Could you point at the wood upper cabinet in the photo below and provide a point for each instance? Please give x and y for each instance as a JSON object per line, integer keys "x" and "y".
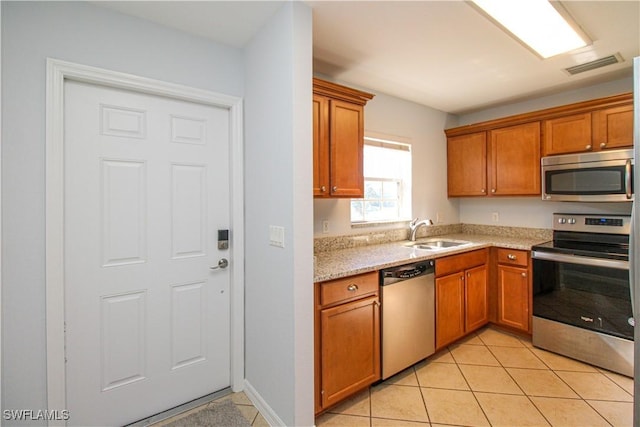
{"x": 513, "y": 289}
{"x": 467, "y": 165}
{"x": 515, "y": 160}
{"x": 613, "y": 127}
{"x": 500, "y": 162}
{"x": 567, "y": 134}
{"x": 501, "y": 157}
{"x": 461, "y": 295}
{"x": 347, "y": 338}
{"x": 604, "y": 129}
{"x": 320, "y": 145}
{"x": 338, "y": 139}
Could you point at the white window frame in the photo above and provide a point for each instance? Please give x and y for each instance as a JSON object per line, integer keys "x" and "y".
{"x": 390, "y": 142}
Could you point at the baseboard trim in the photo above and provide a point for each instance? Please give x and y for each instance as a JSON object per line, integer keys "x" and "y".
{"x": 261, "y": 405}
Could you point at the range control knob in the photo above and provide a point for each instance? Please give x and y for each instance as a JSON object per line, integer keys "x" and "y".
{"x": 562, "y": 220}
{"x": 571, "y": 220}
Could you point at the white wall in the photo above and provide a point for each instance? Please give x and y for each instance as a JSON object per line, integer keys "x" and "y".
{"x": 424, "y": 126}
{"x": 534, "y": 212}
{"x": 86, "y": 34}
{"x": 278, "y": 164}
{"x": 601, "y": 90}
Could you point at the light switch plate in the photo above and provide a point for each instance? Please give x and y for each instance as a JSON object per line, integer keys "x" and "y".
{"x": 276, "y": 236}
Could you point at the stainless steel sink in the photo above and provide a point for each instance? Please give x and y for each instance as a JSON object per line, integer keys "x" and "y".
{"x": 436, "y": 244}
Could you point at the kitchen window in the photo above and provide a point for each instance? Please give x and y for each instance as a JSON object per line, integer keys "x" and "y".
{"x": 387, "y": 182}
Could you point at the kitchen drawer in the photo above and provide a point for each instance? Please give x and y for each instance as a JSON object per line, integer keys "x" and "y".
{"x": 455, "y": 263}
{"x": 513, "y": 257}
{"x": 348, "y": 288}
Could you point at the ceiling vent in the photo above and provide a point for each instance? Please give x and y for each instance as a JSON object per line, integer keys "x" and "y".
{"x": 598, "y": 63}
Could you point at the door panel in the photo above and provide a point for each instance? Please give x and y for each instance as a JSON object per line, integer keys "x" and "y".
{"x": 146, "y": 189}
{"x": 449, "y": 308}
{"x": 476, "y": 298}
{"x": 515, "y": 160}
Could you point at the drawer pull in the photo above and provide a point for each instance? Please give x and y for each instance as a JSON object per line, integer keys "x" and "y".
{"x": 352, "y": 288}
{"x": 512, "y": 257}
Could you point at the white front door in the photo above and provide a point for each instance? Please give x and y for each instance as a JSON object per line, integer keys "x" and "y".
{"x": 146, "y": 189}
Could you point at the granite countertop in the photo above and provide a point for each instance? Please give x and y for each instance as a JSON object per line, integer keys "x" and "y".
{"x": 347, "y": 262}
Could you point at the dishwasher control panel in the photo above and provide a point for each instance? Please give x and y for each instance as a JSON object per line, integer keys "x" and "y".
{"x": 407, "y": 271}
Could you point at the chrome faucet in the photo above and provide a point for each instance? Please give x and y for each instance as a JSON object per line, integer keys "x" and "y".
{"x": 415, "y": 224}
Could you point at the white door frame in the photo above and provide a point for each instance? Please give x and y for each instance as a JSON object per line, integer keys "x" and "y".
{"x": 59, "y": 71}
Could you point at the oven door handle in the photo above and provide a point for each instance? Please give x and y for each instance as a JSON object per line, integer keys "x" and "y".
{"x": 575, "y": 259}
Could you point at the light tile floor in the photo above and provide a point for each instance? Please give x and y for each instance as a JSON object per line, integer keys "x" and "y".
{"x": 492, "y": 378}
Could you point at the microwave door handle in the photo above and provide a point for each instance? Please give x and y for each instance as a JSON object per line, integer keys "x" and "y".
{"x": 628, "y": 179}
{"x": 632, "y": 262}
{"x": 574, "y": 259}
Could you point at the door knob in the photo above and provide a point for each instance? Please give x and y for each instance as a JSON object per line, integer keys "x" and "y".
{"x": 223, "y": 263}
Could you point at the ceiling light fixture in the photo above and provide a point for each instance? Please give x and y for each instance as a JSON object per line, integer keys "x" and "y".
{"x": 545, "y": 28}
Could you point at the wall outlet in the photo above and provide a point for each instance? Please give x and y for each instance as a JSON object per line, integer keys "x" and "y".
{"x": 439, "y": 218}
{"x": 325, "y": 226}
{"x": 495, "y": 217}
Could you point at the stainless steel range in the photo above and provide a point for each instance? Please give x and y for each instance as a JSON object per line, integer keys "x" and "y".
{"x": 581, "y": 293}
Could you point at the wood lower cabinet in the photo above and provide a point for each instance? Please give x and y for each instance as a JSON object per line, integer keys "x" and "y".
{"x": 476, "y": 309}
{"x": 449, "y": 308}
{"x": 513, "y": 289}
{"x": 461, "y": 295}
{"x": 347, "y": 338}
{"x": 338, "y": 140}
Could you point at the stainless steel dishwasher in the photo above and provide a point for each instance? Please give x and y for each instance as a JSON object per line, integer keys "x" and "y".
{"x": 408, "y": 315}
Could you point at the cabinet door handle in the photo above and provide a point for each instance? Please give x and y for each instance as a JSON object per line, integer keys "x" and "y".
{"x": 493, "y": 190}
{"x": 512, "y": 257}
{"x": 603, "y": 144}
{"x": 587, "y": 147}
{"x": 323, "y": 189}
{"x": 376, "y": 303}
{"x": 524, "y": 274}
{"x": 483, "y": 190}
{"x": 352, "y": 287}
{"x": 334, "y": 189}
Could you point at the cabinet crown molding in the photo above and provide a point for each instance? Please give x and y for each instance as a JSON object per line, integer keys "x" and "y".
{"x": 548, "y": 113}
{"x": 337, "y": 91}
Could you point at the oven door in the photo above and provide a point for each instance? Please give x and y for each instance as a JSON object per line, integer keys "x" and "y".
{"x": 590, "y": 293}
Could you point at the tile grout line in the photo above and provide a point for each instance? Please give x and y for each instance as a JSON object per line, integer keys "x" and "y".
{"x": 424, "y": 402}
{"x": 505, "y": 369}
{"x": 518, "y": 384}
{"x": 554, "y": 372}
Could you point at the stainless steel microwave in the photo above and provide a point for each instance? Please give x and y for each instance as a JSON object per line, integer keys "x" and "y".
{"x": 605, "y": 176}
